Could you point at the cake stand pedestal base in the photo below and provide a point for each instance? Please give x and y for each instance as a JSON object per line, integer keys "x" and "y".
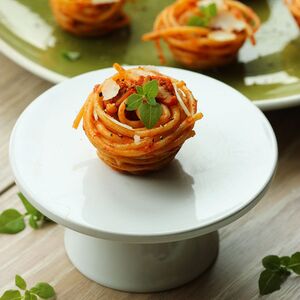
{"x": 141, "y": 267}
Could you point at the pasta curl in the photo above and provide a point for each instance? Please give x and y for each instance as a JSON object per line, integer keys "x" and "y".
{"x": 120, "y": 137}
{"x": 208, "y": 46}
{"x": 294, "y": 7}
{"x": 86, "y": 18}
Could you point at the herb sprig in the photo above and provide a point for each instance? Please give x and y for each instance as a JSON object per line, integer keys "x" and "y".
{"x": 71, "y": 55}
{"x": 12, "y": 221}
{"x": 277, "y": 270}
{"x": 144, "y": 102}
{"x": 207, "y": 13}
{"x": 41, "y": 290}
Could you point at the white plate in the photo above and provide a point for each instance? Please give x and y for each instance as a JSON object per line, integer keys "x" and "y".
{"x": 217, "y": 176}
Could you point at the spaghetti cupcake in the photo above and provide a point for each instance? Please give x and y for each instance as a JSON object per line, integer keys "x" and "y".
{"x": 203, "y": 34}
{"x": 89, "y": 18}
{"x": 294, "y": 7}
{"x": 138, "y": 119}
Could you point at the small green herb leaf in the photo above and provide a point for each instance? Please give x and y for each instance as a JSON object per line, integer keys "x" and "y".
{"x": 145, "y": 102}
{"x": 140, "y": 90}
{"x": 71, "y": 55}
{"x": 11, "y": 295}
{"x": 27, "y": 295}
{"x": 152, "y": 101}
{"x": 36, "y": 218}
{"x": 271, "y": 262}
{"x": 196, "y": 21}
{"x": 150, "y": 114}
{"x": 150, "y": 89}
{"x": 33, "y": 297}
{"x": 294, "y": 263}
{"x": 269, "y": 282}
{"x": 285, "y": 260}
{"x": 133, "y": 102}
{"x": 11, "y": 221}
{"x": 20, "y": 282}
{"x": 277, "y": 271}
{"x": 284, "y": 274}
{"x": 29, "y": 208}
{"x": 33, "y": 222}
{"x": 43, "y": 290}
{"x": 207, "y": 13}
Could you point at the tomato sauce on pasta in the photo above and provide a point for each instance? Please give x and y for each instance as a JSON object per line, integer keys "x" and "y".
{"x": 87, "y": 18}
{"x": 120, "y": 137}
{"x": 203, "y": 47}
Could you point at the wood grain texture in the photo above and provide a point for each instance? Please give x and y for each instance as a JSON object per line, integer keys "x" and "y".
{"x": 17, "y": 89}
{"x": 271, "y": 227}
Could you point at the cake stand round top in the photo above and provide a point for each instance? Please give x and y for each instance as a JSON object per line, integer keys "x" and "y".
{"x": 216, "y": 177}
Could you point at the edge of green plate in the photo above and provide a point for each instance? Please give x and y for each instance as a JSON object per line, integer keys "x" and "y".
{"x": 26, "y": 63}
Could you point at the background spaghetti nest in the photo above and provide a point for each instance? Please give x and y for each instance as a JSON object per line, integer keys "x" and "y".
{"x": 201, "y": 47}
{"x": 83, "y": 18}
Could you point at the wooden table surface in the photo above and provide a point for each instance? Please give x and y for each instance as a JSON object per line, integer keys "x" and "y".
{"x": 271, "y": 227}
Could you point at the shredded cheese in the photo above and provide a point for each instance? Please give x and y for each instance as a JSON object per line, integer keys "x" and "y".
{"x": 103, "y": 1}
{"x": 137, "y": 139}
{"x": 225, "y": 20}
{"x": 109, "y": 89}
{"x": 181, "y": 102}
{"x": 137, "y": 72}
{"x": 119, "y": 123}
{"x": 221, "y": 36}
{"x": 219, "y": 3}
{"x": 95, "y": 115}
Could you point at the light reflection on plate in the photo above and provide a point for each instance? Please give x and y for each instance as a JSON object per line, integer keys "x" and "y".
{"x": 272, "y": 78}
{"x": 280, "y": 29}
{"x": 26, "y": 24}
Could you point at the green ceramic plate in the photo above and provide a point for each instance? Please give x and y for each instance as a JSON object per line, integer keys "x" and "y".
{"x": 268, "y": 74}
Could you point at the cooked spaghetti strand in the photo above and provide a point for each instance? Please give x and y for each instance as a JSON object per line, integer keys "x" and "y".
{"x": 203, "y": 47}
{"x": 86, "y": 18}
{"x": 121, "y": 139}
{"x": 294, "y": 7}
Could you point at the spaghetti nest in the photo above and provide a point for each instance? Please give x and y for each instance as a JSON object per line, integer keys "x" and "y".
{"x": 294, "y": 7}
{"x": 122, "y": 140}
{"x": 203, "y": 46}
{"x": 89, "y": 18}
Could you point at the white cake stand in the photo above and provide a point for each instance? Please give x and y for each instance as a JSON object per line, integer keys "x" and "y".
{"x": 144, "y": 233}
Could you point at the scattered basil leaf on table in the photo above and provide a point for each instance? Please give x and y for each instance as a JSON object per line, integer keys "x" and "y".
{"x": 294, "y": 263}
{"x": 12, "y": 221}
{"x": 41, "y": 290}
{"x": 277, "y": 270}
{"x": 271, "y": 262}
{"x": 269, "y": 282}
{"x": 285, "y": 260}
{"x": 11, "y": 295}
{"x": 144, "y": 102}
{"x": 29, "y": 296}
{"x": 29, "y": 208}
{"x": 20, "y": 282}
{"x": 71, "y": 55}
